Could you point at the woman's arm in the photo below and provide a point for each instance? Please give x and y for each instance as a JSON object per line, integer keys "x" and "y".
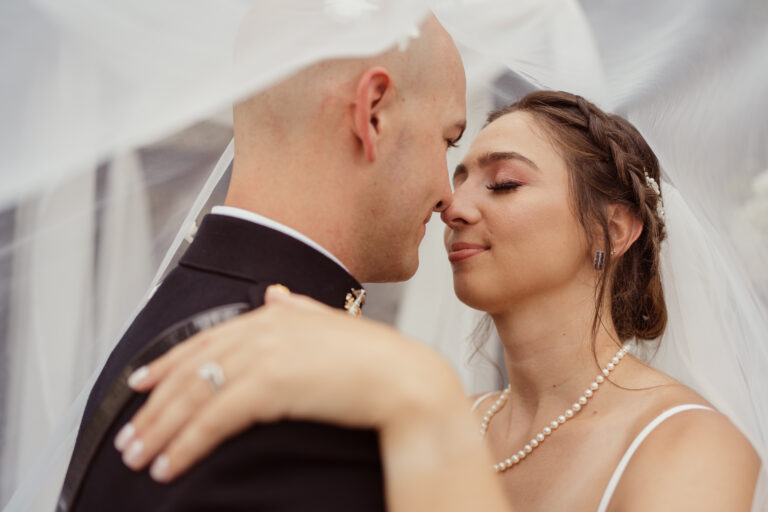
{"x": 297, "y": 359}
{"x": 434, "y": 460}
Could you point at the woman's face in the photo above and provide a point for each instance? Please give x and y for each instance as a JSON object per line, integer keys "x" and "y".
{"x": 511, "y": 231}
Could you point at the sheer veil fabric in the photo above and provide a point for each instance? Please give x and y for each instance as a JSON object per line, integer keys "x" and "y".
{"x": 113, "y": 144}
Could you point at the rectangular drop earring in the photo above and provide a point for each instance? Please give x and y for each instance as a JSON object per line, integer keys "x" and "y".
{"x": 599, "y": 260}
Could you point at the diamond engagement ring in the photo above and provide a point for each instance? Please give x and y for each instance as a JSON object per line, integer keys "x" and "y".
{"x": 213, "y": 373}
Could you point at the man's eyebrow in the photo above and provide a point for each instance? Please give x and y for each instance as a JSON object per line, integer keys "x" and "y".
{"x": 499, "y": 156}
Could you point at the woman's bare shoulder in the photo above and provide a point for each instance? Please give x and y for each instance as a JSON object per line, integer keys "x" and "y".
{"x": 695, "y": 454}
{"x": 649, "y": 392}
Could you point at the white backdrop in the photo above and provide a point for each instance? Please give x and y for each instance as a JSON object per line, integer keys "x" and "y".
{"x": 112, "y": 120}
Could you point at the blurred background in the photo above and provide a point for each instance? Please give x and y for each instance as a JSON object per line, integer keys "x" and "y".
{"x": 115, "y": 116}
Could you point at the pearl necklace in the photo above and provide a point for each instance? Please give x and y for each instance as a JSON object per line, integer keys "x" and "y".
{"x": 554, "y": 424}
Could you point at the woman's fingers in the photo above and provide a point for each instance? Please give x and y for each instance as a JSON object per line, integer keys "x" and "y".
{"x": 219, "y": 419}
{"x": 146, "y": 377}
{"x": 172, "y": 402}
{"x": 153, "y": 431}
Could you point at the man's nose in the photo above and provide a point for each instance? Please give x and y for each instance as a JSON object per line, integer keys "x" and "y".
{"x": 446, "y": 199}
{"x": 443, "y": 205}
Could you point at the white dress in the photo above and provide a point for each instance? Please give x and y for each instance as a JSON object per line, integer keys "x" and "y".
{"x": 619, "y": 471}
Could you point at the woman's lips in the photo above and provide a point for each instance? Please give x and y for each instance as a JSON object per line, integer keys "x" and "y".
{"x": 461, "y": 251}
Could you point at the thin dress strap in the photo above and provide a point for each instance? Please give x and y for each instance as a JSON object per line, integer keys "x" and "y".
{"x": 614, "y": 481}
{"x": 480, "y": 400}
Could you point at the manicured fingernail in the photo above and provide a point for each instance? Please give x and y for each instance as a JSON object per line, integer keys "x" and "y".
{"x": 280, "y": 288}
{"x": 137, "y": 376}
{"x": 124, "y": 436}
{"x": 131, "y": 457}
{"x": 160, "y": 468}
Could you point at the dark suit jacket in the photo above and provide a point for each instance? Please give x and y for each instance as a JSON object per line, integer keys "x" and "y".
{"x": 287, "y": 466}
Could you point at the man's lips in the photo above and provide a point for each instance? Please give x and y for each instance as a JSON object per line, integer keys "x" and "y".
{"x": 461, "y": 251}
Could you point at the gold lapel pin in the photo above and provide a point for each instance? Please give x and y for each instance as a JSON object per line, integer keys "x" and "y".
{"x": 354, "y": 302}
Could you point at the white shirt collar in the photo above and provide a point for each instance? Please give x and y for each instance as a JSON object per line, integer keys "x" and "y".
{"x": 239, "y": 213}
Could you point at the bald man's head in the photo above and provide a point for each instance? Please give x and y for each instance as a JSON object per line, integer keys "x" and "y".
{"x": 371, "y": 131}
{"x": 419, "y": 69}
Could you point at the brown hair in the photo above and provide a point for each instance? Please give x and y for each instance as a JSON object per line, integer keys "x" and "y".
{"x": 608, "y": 161}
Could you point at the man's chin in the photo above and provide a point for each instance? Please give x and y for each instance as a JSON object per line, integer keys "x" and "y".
{"x": 395, "y": 273}
{"x": 405, "y": 273}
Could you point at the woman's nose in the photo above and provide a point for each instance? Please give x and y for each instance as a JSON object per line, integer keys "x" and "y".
{"x": 462, "y": 211}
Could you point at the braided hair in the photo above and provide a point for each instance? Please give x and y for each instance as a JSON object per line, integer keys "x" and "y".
{"x": 609, "y": 162}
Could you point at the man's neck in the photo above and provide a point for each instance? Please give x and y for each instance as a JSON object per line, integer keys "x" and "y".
{"x": 254, "y": 217}
{"x": 318, "y": 211}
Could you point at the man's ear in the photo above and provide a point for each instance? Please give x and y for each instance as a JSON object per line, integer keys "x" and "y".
{"x": 624, "y": 227}
{"x": 374, "y": 90}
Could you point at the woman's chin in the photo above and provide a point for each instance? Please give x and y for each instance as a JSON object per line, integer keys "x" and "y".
{"x": 472, "y": 295}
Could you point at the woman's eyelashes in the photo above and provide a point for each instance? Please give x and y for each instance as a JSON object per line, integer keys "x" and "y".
{"x": 503, "y": 185}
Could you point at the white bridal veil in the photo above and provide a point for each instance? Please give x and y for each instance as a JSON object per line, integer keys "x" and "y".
{"x": 115, "y": 136}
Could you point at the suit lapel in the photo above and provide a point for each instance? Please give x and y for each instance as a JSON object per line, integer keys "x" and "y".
{"x": 245, "y": 250}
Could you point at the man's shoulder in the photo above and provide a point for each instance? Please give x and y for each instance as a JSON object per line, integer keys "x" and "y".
{"x": 183, "y": 294}
{"x": 266, "y": 463}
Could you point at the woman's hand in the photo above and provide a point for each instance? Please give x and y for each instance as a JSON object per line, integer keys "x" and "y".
{"x": 294, "y": 358}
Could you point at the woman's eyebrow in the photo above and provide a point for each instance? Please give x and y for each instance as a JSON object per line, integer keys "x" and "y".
{"x": 493, "y": 157}
{"x": 498, "y": 156}
{"x": 461, "y": 170}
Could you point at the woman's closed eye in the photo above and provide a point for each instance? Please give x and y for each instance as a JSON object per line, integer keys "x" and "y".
{"x": 503, "y": 185}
